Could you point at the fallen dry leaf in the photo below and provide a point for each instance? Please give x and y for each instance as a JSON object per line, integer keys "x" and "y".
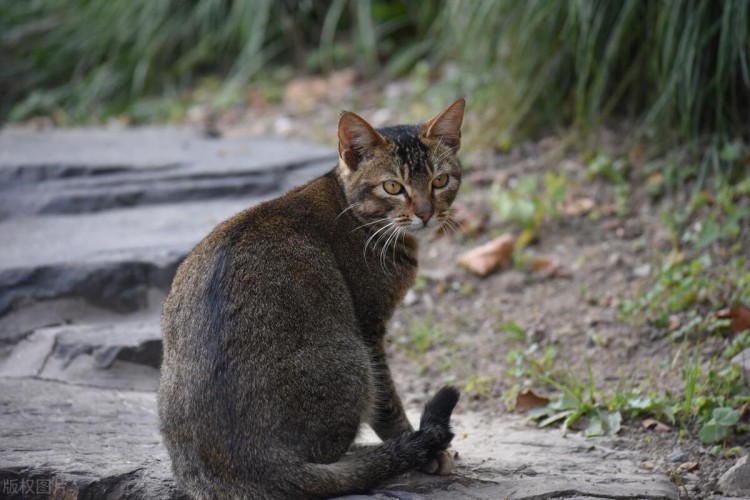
{"x": 745, "y": 411}
{"x": 637, "y": 155}
{"x": 543, "y": 265}
{"x": 547, "y": 267}
{"x": 579, "y": 206}
{"x": 674, "y": 321}
{"x": 740, "y": 316}
{"x": 687, "y": 467}
{"x": 654, "y": 425}
{"x": 612, "y": 224}
{"x": 528, "y": 400}
{"x": 489, "y": 257}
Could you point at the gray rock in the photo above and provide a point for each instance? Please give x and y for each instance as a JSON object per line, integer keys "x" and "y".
{"x": 678, "y": 455}
{"x": 124, "y": 355}
{"x": 736, "y": 481}
{"x": 86, "y": 442}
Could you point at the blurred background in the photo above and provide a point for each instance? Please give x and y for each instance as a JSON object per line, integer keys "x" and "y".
{"x": 667, "y": 73}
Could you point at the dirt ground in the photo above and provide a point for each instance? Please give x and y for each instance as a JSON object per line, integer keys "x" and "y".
{"x": 453, "y": 328}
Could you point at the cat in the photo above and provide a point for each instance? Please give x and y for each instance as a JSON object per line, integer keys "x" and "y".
{"x": 274, "y": 326}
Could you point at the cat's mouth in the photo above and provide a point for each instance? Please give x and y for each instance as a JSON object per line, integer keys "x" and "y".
{"x": 419, "y": 227}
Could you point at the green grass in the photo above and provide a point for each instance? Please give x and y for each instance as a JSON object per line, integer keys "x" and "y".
{"x": 77, "y": 59}
{"x": 706, "y": 268}
{"x": 706, "y": 406}
{"x": 679, "y": 70}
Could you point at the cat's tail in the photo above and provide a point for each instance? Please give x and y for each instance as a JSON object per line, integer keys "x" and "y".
{"x": 365, "y": 468}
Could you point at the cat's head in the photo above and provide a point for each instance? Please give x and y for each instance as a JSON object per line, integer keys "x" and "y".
{"x": 403, "y": 177}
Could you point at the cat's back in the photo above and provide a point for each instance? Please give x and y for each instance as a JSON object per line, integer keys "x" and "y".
{"x": 274, "y": 253}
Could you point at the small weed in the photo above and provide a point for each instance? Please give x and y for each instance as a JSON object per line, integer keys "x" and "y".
{"x": 527, "y": 204}
{"x": 424, "y": 334}
{"x": 738, "y": 344}
{"x": 421, "y": 283}
{"x": 709, "y": 401}
{"x": 615, "y": 171}
{"x": 420, "y": 337}
{"x": 719, "y": 427}
{"x": 696, "y": 288}
{"x": 528, "y": 365}
{"x": 479, "y": 386}
{"x": 514, "y": 331}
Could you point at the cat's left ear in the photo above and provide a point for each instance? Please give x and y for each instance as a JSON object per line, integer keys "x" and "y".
{"x": 446, "y": 127}
{"x": 357, "y": 139}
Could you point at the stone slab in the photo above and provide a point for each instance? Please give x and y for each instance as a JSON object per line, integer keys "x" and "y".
{"x": 74, "y": 436}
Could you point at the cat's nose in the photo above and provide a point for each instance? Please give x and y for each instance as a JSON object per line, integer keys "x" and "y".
{"x": 425, "y": 215}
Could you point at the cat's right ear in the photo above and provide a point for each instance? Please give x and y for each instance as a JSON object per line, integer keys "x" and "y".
{"x": 356, "y": 139}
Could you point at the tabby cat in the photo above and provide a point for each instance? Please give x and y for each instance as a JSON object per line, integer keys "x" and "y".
{"x": 274, "y": 327}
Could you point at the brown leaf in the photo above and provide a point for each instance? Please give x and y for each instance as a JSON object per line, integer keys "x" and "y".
{"x": 637, "y": 155}
{"x": 543, "y": 264}
{"x": 687, "y": 467}
{"x": 579, "y": 206}
{"x": 745, "y": 411}
{"x": 612, "y": 224}
{"x": 674, "y": 321}
{"x": 654, "y": 425}
{"x": 528, "y": 400}
{"x": 489, "y": 257}
{"x": 740, "y": 316}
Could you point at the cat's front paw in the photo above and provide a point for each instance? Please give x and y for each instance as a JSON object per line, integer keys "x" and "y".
{"x": 442, "y": 464}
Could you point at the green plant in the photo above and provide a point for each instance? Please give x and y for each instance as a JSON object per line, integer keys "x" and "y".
{"x": 696, "y": 288}
{"x": 479, "y": 386}
{"x": 528, "y": 204}
{"x": 615, "y": 171}
{"x": 719, "y": 427}
{"x": 424, "y": 334}
{"x": 711, "y": 397}
{"x": 78, "y": 58}
{"x": 681, "y": 69}
{"x": 739, "y": 342}
{"x": 709, "y": 401}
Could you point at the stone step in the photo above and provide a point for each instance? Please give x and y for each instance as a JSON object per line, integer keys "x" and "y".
{"x": 106, "y": 216}
{"x": 124, "y": 355}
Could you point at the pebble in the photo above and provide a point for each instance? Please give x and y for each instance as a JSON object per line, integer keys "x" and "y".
{"x": 411, "y": 298}
{"x": 677, "y": 456}
{"x": 642, "y": 271}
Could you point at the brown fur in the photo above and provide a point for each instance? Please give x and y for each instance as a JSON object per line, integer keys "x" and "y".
{"x": 273, "y": 330}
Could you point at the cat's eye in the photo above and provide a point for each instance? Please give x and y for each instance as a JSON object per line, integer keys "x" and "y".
{"x": 392, "y": 187}
{"x": 440, "y": 181}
